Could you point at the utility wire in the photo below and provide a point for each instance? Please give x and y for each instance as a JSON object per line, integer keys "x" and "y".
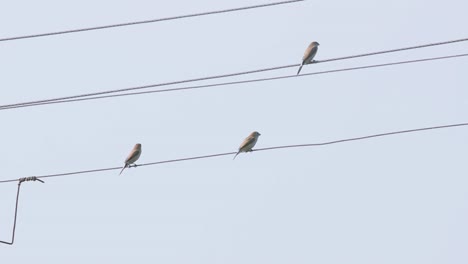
{"x": 227, "y": 75}
{"x": 147, "y": 21}
{"x": 21, "y": 180}
{"x": 38, "y": 178}
{"x": 255, "y": 150}
{"x": 236, "y": 82}
{"x": 396, "y": 50}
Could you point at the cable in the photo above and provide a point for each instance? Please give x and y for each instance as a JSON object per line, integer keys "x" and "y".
{"x": 147, "y": 21}
{"x": 236, "y": 82}
{"x": 396, "y": 50}
{"x": 21, "y": 180}
{"x": 228, "y": 75}
{"x": 146, "y": 86}
{"x": 255, "y": 150}
{"x": 38, "y": 178}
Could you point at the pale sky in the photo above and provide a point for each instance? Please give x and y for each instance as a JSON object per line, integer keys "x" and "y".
{"x": 399, "y": 199}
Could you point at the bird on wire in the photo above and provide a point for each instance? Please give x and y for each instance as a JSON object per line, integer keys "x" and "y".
{"x": 132, "y": 157}
{"x": 248, "y": 143}
{"x": 309, "y": 55}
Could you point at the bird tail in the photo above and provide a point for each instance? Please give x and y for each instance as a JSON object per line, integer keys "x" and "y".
{"x": 236, "y": 155}
{"x": 300, "y": 68}
{"x": 123, "y": 169}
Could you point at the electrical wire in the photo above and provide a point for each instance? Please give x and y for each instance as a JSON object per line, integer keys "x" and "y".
{"x": 21, "y": 180}
{"x": 147, "y": 21}
{"x": 228, "y": 75}
{"x": 254, "y": 150}
{"x": 396, "y": 50}
{"x": 235, "y": 82}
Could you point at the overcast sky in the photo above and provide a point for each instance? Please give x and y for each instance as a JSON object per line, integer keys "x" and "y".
{"x": 399, "y": 199}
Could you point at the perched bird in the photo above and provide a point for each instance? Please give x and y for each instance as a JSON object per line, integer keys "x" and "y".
{"x": 309, "y": 55}
{"x": 248, "y": 143}
{"x": 134, "y": 155}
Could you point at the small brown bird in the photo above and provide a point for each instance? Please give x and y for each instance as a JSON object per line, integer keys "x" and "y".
{"x": 248, "y": 143}
{"x": 309, "y": 55}
{"x": 133, "y": 157}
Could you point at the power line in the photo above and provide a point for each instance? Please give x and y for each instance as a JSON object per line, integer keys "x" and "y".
{"x": 227, "y": 75}
{"x": 255, "y": 150}
{"x": 395, "y": 50}
{"x": 16, "y": 207}
{"x": 38, "y": 178}
{"x": 232, "y": 83}
{"x": 147, "y": 21}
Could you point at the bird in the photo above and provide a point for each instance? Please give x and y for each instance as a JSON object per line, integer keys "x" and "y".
{"x": 248, "y": 143}
{"x": 309, "y": 55}
{"x": 132, "y": 157}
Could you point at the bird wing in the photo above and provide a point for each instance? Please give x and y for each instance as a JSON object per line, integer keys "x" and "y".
{"x": 133, "y": 156}
{"x": 248, "y": 143}
{"x": 309, "y": 54}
